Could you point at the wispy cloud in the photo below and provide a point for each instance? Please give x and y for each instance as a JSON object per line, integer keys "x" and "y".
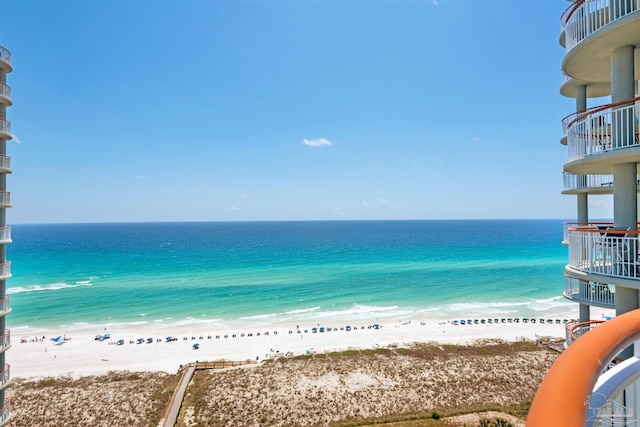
{"x": 383, "y": 200}
{"x": 245, "y": 196}
{"x": 141, "y": 177}
{"x": 318, "y": 142}
{"x": 476, "y": 139}
{"x": 234, "y": 208}
{"x": 435, "y": 2}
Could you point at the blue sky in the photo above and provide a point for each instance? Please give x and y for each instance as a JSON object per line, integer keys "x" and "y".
{"x": 204, "y": 110}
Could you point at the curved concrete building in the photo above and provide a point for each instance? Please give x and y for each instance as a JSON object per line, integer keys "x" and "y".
{"x": 602, "y": 59}
{"x": 5, "y": 232}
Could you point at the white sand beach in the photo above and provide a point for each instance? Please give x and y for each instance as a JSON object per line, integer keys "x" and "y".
{"x": 81, "y": 354}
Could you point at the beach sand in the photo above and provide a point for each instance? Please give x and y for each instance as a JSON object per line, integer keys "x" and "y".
{"x": 81, "y": 354}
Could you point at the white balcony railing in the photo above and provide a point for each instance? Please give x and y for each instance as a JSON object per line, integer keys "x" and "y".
{"x": 602, "y": 129}
{"x": 5, "y": 412}
{"x": 585, "y": 17}
{"x": 5, "y": 55}
{"x": 5, "y": 270}
{"x": 576, "y": 182}
{"x": 5, "y": 235}
{"x": 5, "y": 340}
{"x": 610, "y": 252}
{"x": 5, "y": 127}
{"x": 569, "y": 225}
{"x": 575, "y": 330}
{"x": 5, "y": 199}
{"x": 5, "y": 91}
{"x": 5, "y": 163}
{"x": 5, "y": 376}
{"x": 591, "y": 293}
{"x": 614, "y": 401}
{"x": 5, "y": 305}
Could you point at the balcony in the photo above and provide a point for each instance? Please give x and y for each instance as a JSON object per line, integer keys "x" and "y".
{"x": 5, "y": 235}
{"x": 589, "y": 292}
{"x": 5, "y": 306}
{"x": 575, "y": 330}
{"x": 5, "y": 94}
{"x": 592, "y": 225}
{"x": 569, "y": 87}
{"x": 5, "y": 59}
{"x": 578, "y": 392}
{"x": 5, "y": 376}
{"x": 585, "y": 17}
{"x": 602, "y": 129}
{"x": 577, "y": 183}
{"x": 5, "y": 270}
{"x": 5, "y": 129}
{"x": 610, "y": 253}
{"x": 5, "y": 412}
{"x": 5, "y": 164}
{"x": 5, "y": 341}
{"x": 5, "y": 199}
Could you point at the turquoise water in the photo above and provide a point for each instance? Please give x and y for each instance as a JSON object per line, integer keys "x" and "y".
{"x": 223, "y": 273}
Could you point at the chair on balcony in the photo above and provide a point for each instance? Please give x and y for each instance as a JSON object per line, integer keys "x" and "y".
{"x": 612, "y": 251}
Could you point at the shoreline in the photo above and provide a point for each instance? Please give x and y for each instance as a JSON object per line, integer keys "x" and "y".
{"x": 81, "y": 354}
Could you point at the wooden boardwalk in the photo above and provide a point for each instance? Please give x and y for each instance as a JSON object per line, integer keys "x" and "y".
{"x": 178, "y": 395}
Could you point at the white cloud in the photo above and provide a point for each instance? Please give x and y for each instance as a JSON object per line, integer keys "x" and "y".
{"x": 234, "y": 208}
{"x": 141, "y": 177}
{"x": 245, "y": 196}
{"x": 319, "y": 142}
{"x": 383, "y": 200}
{"x": 435, "y": 2}
{"x": 365, "y": 203}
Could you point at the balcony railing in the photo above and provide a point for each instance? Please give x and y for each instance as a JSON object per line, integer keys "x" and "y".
{"x": 5, "y": 305}
{"x": 602, "y": 129}
{"x": 575, "y": 330}
{"x": 5, "y": 55}
{"x": 5, "y": 235}
{"x": 592, "y": 225}
{"x": 577, "y": 182}
{"x": 5, "y": 376}
{"x": 5, "y": 412}
{"x": 610, "y": 252}
{"x": 5, "y": 91}
{"x": 5, "y": 340}
{"x": 5, "y": 199}
{"x": 589, "y": 292}
{"x": 575, "y": 392}
{"x": 585, "y": 17}
{"x": 5, "y": 270}
{"x": 5, "y": 127}
{"x": 5, "y": 163}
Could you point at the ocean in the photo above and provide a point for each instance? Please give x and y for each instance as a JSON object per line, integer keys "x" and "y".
{"x": 226, "y": 274}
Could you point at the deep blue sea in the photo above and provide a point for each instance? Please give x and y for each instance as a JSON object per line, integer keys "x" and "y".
{"x": 246, "y": 273}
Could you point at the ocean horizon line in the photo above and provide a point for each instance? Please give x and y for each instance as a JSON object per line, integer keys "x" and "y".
{"x": 225, "y": 221}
